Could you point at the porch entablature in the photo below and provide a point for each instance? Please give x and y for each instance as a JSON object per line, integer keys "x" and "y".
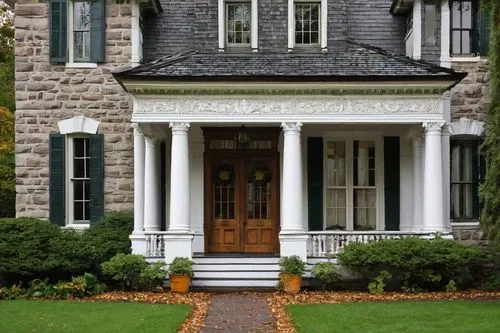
{"x": 304, "y": 109}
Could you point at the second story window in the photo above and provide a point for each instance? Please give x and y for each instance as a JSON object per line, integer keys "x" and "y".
{"x": 238, "y": 24}
{"x": 463, "y": 27}
{"x": 81, "y": 31}
{"x": 307, "y": 23}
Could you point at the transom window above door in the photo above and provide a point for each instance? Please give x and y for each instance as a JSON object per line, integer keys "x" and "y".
{"x": 354, "y": 184}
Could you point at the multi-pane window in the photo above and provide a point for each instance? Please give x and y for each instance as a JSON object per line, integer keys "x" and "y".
{"x": 81, "y": 180}
{"x": 307, "y": 23}
{"x": 351, "y": 185}
{"x": 81, "y": 31}
{"x": 224, "y": 195}
{"x": 463, "y": 27}
{"x": 465, "y": 176}
{"x": 238, "y": 23}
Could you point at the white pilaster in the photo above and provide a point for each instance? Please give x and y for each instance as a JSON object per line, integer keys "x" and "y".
{"x": 222, "y": 25}
{"x": 137, "y": 238}
{"x": 417, "y": 29}
{"x": 293, "y": 239}
{"x": 433, "y": 217}
{"x": 445, "y": 34}
{"x": 291, "y": 25}
{"x": 151, "y": 186}
{"x": 255, "y": 26}
{"x": 324, "y": 26}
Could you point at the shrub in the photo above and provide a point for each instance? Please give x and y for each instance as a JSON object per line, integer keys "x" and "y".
{"x": 109, "y": 237}
{"x": 181, "y": 266}
{"x": 125, "y": 269}
{"x": 80, "y": 286}
{"x": 31, "y": 248}
{"x": 153, "y": 276}
{"x": 416, "y": 263}
{"x": 325, "y": 272}
{"x": 292, "y": 265}
{"x": 377, "y": 285}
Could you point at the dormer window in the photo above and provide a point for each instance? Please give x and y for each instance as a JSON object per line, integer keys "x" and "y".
{"x": 470, "y": 31}
{"x": 307, "y": 24}
{"x": 238, "y": 22}
{"x": 307, "y": 21}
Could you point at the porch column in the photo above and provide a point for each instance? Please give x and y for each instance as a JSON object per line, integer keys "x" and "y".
{"x": 417, "y": 145}
{"x": 445, "y": 144}
{"x": 179, "y": 237}
{"x": 433, "y": 179}
{"x": 293, "y": 239}
{"x": 137, "y": 238}
{"x": 151, "y": 183}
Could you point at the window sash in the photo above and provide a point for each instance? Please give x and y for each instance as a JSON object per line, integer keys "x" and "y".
{"x": 307, "y": 23}
{"x": 238, "y": 29}
{"x": 79, "y": 181}
{"x": 463, "y": 33}
{"x": 81, "y": 30}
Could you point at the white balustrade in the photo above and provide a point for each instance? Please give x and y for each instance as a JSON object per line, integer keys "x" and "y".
{"x": 325, "y": 243}
{"x": 155, "y": 244}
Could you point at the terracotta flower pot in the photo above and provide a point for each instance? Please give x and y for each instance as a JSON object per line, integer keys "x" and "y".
{"x": 291, "y": 283}
{"x": 180, "y": 283}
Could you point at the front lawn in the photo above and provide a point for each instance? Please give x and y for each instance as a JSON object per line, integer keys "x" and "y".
{"x": 408, "y": 317}
{"x": 84, "y": 317}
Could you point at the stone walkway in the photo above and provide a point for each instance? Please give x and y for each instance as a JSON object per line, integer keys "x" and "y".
{"x": 238, "y": 312}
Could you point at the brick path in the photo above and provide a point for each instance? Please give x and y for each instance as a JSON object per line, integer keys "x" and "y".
{"x": 238, "y": 313}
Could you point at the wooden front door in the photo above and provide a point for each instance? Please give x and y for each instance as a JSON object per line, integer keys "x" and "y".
{"x": 241, "y": 201}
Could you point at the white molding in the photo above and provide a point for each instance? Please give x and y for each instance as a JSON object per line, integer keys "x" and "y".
{"x": 81, "y": 65}
{"x": 445, "y": 34}
{"x": 78, "y": 124}
{"x": 417, "y": 29}
{"x": 324, "y": 25}
{"x": 466, "y": 126}
{"x": 136, "y": 38}
{"x": 222, "y": 24}
{"x": 466, "y": 58}
{"x": 255, "y": 26}
{"x": 291, "y": 25}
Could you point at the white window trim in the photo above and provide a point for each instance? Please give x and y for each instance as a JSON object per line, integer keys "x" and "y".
{"x": 221, "y": 9}
{"x": 349, "y": 137}
{"x": 71, "y": 63}
{"x": 323, "y": 33}
{"x": 417, "y": 29}
{"x": 69, "y": 184}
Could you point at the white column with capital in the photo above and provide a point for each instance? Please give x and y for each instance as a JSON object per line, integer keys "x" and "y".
{"x": 293, "y": 238}
{"x": 433, "y": 217}
{"x": 417, "y": 145}
{"x": 179, "y": 236}
{"x": 137, "y": 238}
{"x": 152, "y": 195}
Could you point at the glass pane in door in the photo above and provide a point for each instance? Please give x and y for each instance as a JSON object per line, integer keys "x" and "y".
{"x": 259, "y": 192}
{"x": 224, "y": 200}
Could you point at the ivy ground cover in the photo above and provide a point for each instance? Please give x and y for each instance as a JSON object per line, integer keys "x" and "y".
{"x": 455, "y": 316}
{"x": 90, "y": 317}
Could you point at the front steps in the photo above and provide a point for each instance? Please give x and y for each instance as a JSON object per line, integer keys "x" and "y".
{"x": 238, "y": 272}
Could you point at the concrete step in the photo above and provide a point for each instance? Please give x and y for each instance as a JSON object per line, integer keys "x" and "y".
{"x": 236, "y": 260}
{"x": 244, "y": 275}
{"x": 237, "y": 283}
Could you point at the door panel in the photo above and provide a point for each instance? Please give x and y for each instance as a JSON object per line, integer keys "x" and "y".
{"x": 225, "y": 226}
{"x": 260, "y": 205}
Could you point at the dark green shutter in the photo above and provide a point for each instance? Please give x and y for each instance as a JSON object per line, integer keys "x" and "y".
{"x": 98, "y": 31}
{"x": 315, "y": 183}
{"x": 476, "y": 173}
{"x": 58, "y": 30}
{"x": 391, "y": 182}
{"x": 57, "y": 199}
{"x": 96, "y": 178}
{"x": 484, "y": 33}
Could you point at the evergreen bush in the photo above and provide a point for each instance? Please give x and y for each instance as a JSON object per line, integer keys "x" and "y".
{"x": 125, "y": 270}
{"x": 415, "y": 263}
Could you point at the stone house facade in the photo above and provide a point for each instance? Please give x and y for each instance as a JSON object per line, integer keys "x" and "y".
{"x": 164, "y": 107}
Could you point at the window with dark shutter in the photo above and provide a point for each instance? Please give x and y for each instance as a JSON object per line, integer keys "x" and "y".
{"x": 96, "y": 178}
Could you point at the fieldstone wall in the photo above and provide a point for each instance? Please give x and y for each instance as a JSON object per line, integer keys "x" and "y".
{"x": 47, "y": 93}
{"x": 469, "y": 98}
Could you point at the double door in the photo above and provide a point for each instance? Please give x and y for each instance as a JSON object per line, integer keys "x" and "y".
{"x": 241, "y": 206}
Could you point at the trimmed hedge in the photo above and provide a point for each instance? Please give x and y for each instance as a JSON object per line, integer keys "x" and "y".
{"x": 37, "y": 249}
{"x": 415, "y": 263}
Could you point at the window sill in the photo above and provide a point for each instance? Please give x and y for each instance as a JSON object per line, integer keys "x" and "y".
{"x": 466, "y": 58}
{"x": 81, "y": 65}
{"x": 76, "y": 226}
{"x": 465, "y": 224}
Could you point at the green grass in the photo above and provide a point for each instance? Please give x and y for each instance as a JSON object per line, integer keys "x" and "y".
{"x": 82, "y": 317}
{"x": 408, "y": 317}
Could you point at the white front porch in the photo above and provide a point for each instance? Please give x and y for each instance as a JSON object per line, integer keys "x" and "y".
{"x": 169, "y": 187}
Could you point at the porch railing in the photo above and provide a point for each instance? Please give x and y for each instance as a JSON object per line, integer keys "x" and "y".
{"x": 155, "y": 244}
{"x": 322, "y": 243}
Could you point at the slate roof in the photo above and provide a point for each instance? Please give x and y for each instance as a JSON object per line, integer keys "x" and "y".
{"x": 355, "y": 62}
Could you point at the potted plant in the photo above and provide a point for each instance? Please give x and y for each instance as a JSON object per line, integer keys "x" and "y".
{"x": 180, "y": 272}
{"x": 292, "y": 268}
